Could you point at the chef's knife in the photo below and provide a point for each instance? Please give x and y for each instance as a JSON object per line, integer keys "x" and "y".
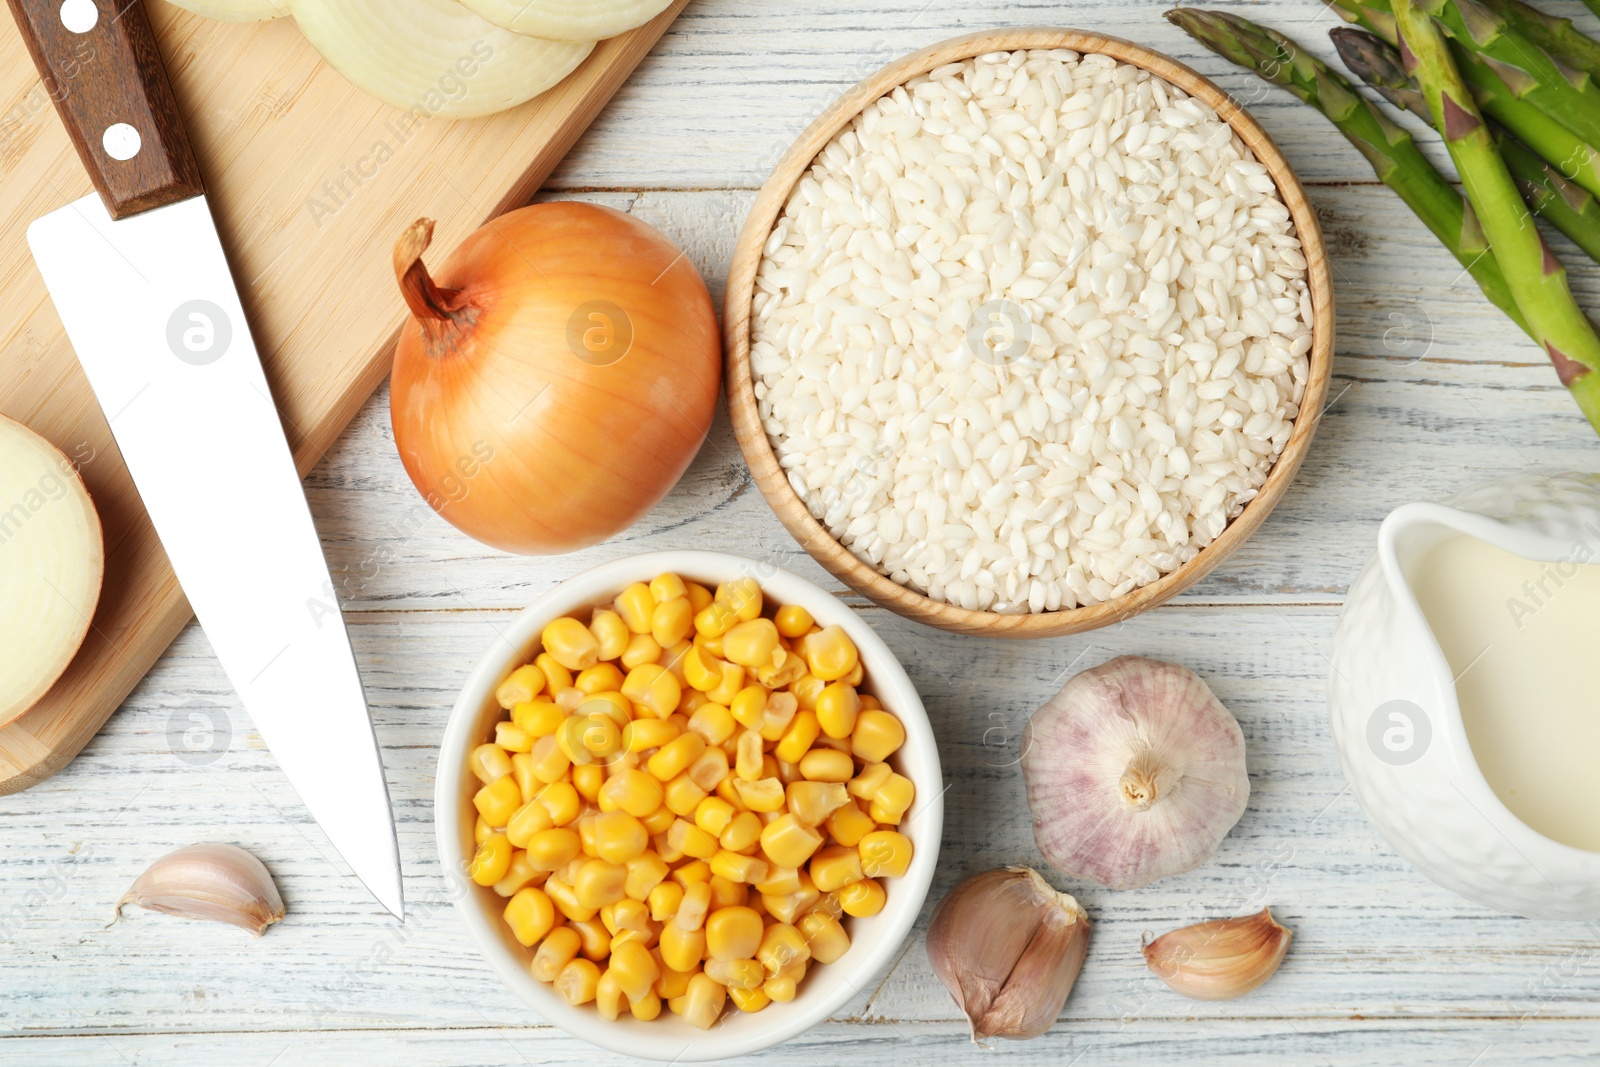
{"x": 139, "y": 277}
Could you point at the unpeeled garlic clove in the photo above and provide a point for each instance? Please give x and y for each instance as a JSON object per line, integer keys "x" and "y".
{"x": 1008, "y": 947}
{"x": 220, "y": 883}
{"x": 1220, "y": 959}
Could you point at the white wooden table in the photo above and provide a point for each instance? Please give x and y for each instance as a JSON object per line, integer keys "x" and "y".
{"x": 1433, "y": 390}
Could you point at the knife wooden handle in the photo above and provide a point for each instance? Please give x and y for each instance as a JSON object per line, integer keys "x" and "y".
{"x": 101, "y": 65}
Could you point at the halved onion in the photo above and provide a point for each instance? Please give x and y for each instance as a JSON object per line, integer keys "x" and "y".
{"x": 236, "y": 10}
{"x": 569, "y": 20}
{"x": 51, "y": 563}
{"x": 434, "y": 56}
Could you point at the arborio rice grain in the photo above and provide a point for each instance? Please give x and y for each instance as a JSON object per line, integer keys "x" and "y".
{"x": 1031, "y": 331}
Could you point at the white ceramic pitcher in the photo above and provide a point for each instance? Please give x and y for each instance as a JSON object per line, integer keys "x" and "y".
{"x": 1397, "y": 723}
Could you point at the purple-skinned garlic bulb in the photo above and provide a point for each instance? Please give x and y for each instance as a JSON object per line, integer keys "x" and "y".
{"x": 1135, "y": 771}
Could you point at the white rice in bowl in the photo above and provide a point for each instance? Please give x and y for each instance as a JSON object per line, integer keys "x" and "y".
{"x": 1031, "y": 331}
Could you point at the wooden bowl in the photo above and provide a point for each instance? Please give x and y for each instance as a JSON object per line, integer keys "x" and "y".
{"x": 752, "y": 436}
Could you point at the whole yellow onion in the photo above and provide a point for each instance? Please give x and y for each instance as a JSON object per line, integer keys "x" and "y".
{"x": 556, "y": 376}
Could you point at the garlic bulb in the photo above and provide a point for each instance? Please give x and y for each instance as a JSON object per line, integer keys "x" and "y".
{"x": 1220, "y": 959}
{"x": 1008, "y": 947}
{"x": 221, "y": 883}
{"x": 1134, "y": 771}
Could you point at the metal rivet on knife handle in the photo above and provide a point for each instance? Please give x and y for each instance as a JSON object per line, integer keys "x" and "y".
{"x": 105, "y": 73}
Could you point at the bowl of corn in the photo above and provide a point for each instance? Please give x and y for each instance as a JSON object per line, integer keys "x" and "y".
{"x": 692, "y": 804}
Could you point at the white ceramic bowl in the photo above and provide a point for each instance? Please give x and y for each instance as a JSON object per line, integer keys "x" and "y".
{"x": 827, "y": 987}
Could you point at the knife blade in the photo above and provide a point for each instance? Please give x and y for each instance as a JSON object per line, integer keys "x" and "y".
{"x": 138, "y": 275}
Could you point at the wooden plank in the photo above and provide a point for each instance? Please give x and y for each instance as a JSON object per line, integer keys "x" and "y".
{"x": 310, "y": 181}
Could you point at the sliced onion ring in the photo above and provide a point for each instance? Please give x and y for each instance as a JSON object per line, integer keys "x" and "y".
{"x": 52, "y": 560}
{"x": 434, "y": 56}
{"x": 569, "y": 20}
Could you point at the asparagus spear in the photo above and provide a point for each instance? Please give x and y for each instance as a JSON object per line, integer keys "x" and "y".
{"x": 1573, "y": 157}
{"x": 1572, "y": 210}
{"x": 1557, "y": 36}
{"x": 1390, "y": 150}
{"x": 1536, "y": 277}
{"x": 1483, "y": 38}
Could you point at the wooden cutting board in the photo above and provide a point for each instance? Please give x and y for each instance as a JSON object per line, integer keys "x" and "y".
{"x": 310, "y": 181}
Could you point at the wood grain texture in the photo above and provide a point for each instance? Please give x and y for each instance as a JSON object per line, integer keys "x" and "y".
{"x": 312, "y": 181}
{"x": 112, "y": 73}
{"x": 1432, "y": 391}
{"x": 757, "y": 448}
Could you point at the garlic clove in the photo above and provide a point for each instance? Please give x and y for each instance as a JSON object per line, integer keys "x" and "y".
{"x": 1220, "y": 959}
{"x": 216, "y": 882}
{"x": 1008, "y": 947}
{"x": 1135, "y": 771}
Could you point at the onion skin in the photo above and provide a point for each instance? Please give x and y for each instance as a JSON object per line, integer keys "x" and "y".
{"x": 503, "y": 428}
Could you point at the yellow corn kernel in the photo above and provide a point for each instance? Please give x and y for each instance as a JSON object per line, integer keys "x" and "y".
{"x": 871, "y": 779}
{"x": 681, "y": 949}
{"x": 569, "y": 698}
{"x": 561, "y": 895}
{"x": 641, "y": 735}
{"x": 806, "y": 689}
{"x": 658, "y": 821}
{"x": 812, "y": 802}
{"x": 715, "y": 619}
{"x": 702, "y": 1003}
{"x": 740, "y": 975}
{"x": 693, "y": 700}
{"x": 547, "y": 761}
{"x": 570, "y": 643}
{"x": 747, "y": 762}
{"x": 837, "y": 709}
{"x": 788, "y": 842}
{"x": 599, "y": 883}
{"x": 692, "y": 871}
{"x": 862, "y": 898}
{"x": 556, "y": 677}
{"x": 699, "y": 596}
{"x": 689, "y": 839}
{"x": 664, "y": 900}
{"x": 592, "y": 734}
{"x": 743, "y": 595}
{"x": 857, "y": 674}
{"x": 777, "y": 715}
{"x": 491, "y": 861}
{"x": 692, "y": 909}
{"x": 671, "y": 621}
{"x": 742, "y": 833}
{"x": 733, "y": 933}
{"x": 588, "y": 781}
{"x": 634, "y": 792}
{"x": 671, "y": 983}
{"x": 709, "y": 769}
{"x": 595, "y": 937}
{"x": 884, "y": 853}
{"x": 559, "y": 948}
{"x": 793, "y": 621}
{"x": 645, "y": 872}
{"x": 518, "y": 876}
{"x": 498, "y": 801}
{"x": 892, "y": 800}
{"x": 748, "y": 1000}
{"x": 779, "y": 880}
{"x": 825, "y": 936}
{"x": 674, "y": 659}
{"x": 552, "y": 849}
{"x": 870, "y": 702}
{"x": 635, "y": 968}
{"x": 783, "y": 670}
{"x": 528, "y": 783}
{"x": 830, "y": 654}
{"x": 761, "y": 795}
{"x": 489, "y": 762}
{"x": 532, "y": 818}
{"x": 780, "y": 989}
{"x": 713, "y": 814}
{"x": 788, "y": 907}
{"x": 653, "y": 686}
{"x": 666, "y": 586}
{"x": 849, "y": 825}
{"x": 601, "y": 678}
{"x": 619, "y": 837}
{"x": 751, "y": 644}
{"x": 684, "y": 795}
{"x": 769, "y": 767}
{"x": 748, "y": 704}
{"x": 737, "y": 868}
{"x": 827, "y": 765}
{"x": 481, "y": 831}
{"x": 833, "y": 867}
{"x": 608, "y": 998}
{"x": 728, "y": 688}
{"x": 610, "y": 632}
{"x": 797, "y": 739}
{"x": 713, "y": 722}
{"x": 641, "y": 649}
{"x": 524, "y": 683}
{"x": 530, "y": 915}
{"x": 674, "y": 757}
{"x": 578, "y": 981}
{"x": 726, "y": 893}
{"x": 634, "y": 605}
{"x": 702, "y": 670}
{"x": 828, "y": 904}
{"x": 728, "y": 791}
{"x": 782, "y": 945}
